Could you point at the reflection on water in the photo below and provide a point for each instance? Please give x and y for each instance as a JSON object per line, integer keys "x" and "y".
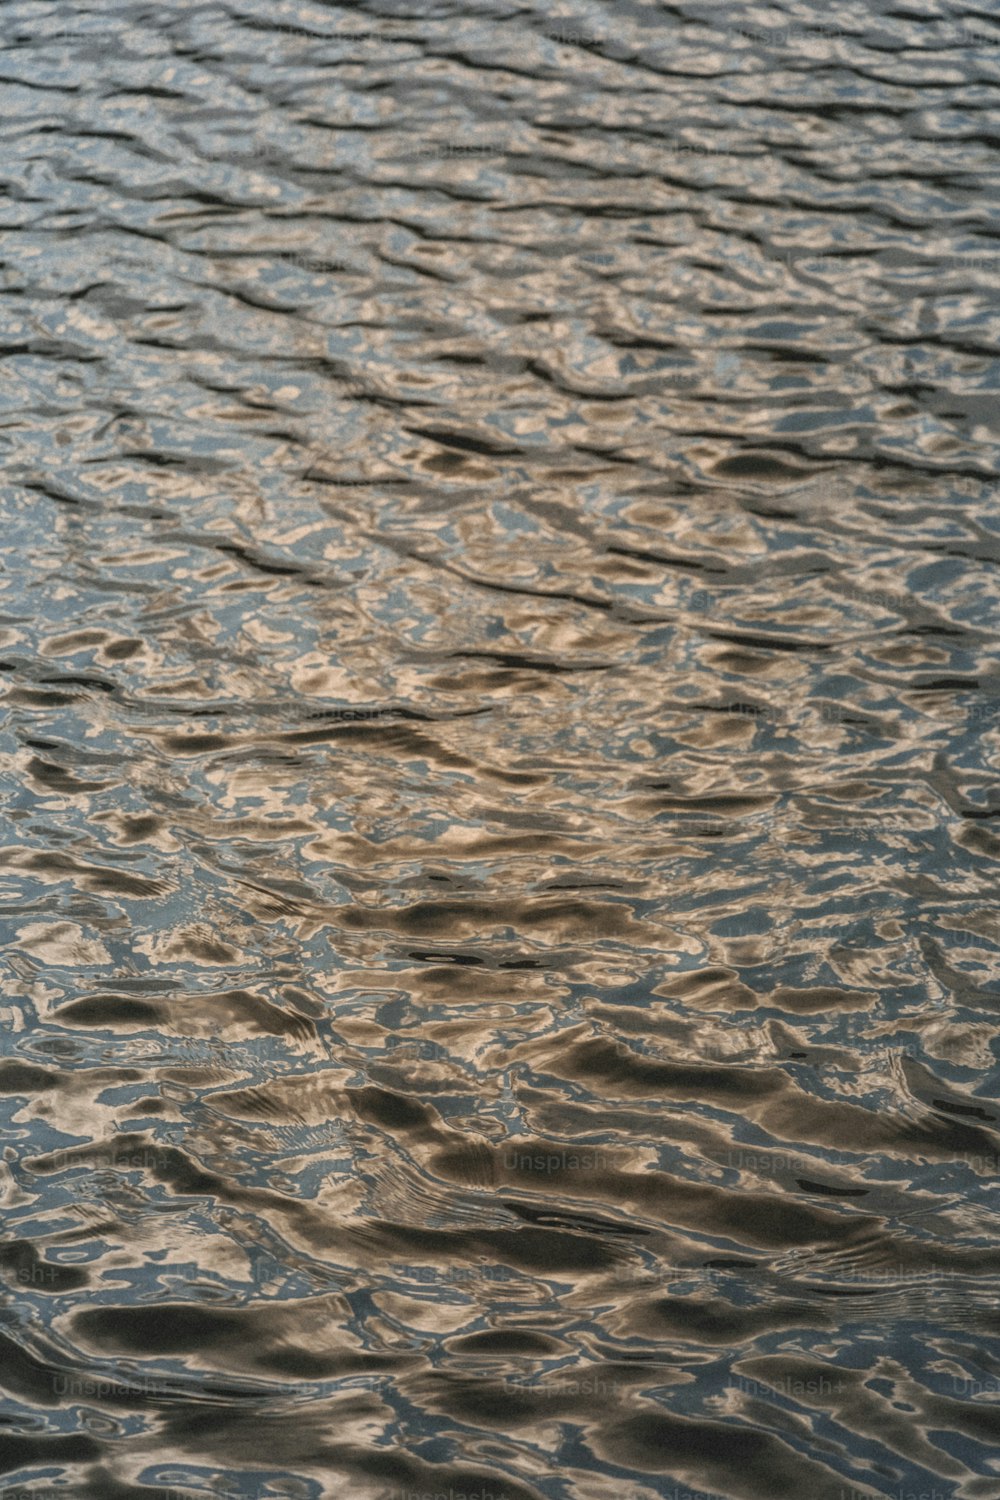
{"x": 500, "y": 728}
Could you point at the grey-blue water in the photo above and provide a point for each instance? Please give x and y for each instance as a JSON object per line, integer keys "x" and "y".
{"x": 499, "y": 743}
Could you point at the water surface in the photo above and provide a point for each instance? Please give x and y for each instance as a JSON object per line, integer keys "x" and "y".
{"x": 499, "y": 740}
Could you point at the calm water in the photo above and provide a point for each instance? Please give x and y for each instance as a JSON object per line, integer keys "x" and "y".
{"x": 500, "y": 729}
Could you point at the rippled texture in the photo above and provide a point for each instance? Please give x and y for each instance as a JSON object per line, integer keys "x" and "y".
{"x": 500, "y": 705}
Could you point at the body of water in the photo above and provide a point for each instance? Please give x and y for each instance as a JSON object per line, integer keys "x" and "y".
{"x": 499, "y": 731}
